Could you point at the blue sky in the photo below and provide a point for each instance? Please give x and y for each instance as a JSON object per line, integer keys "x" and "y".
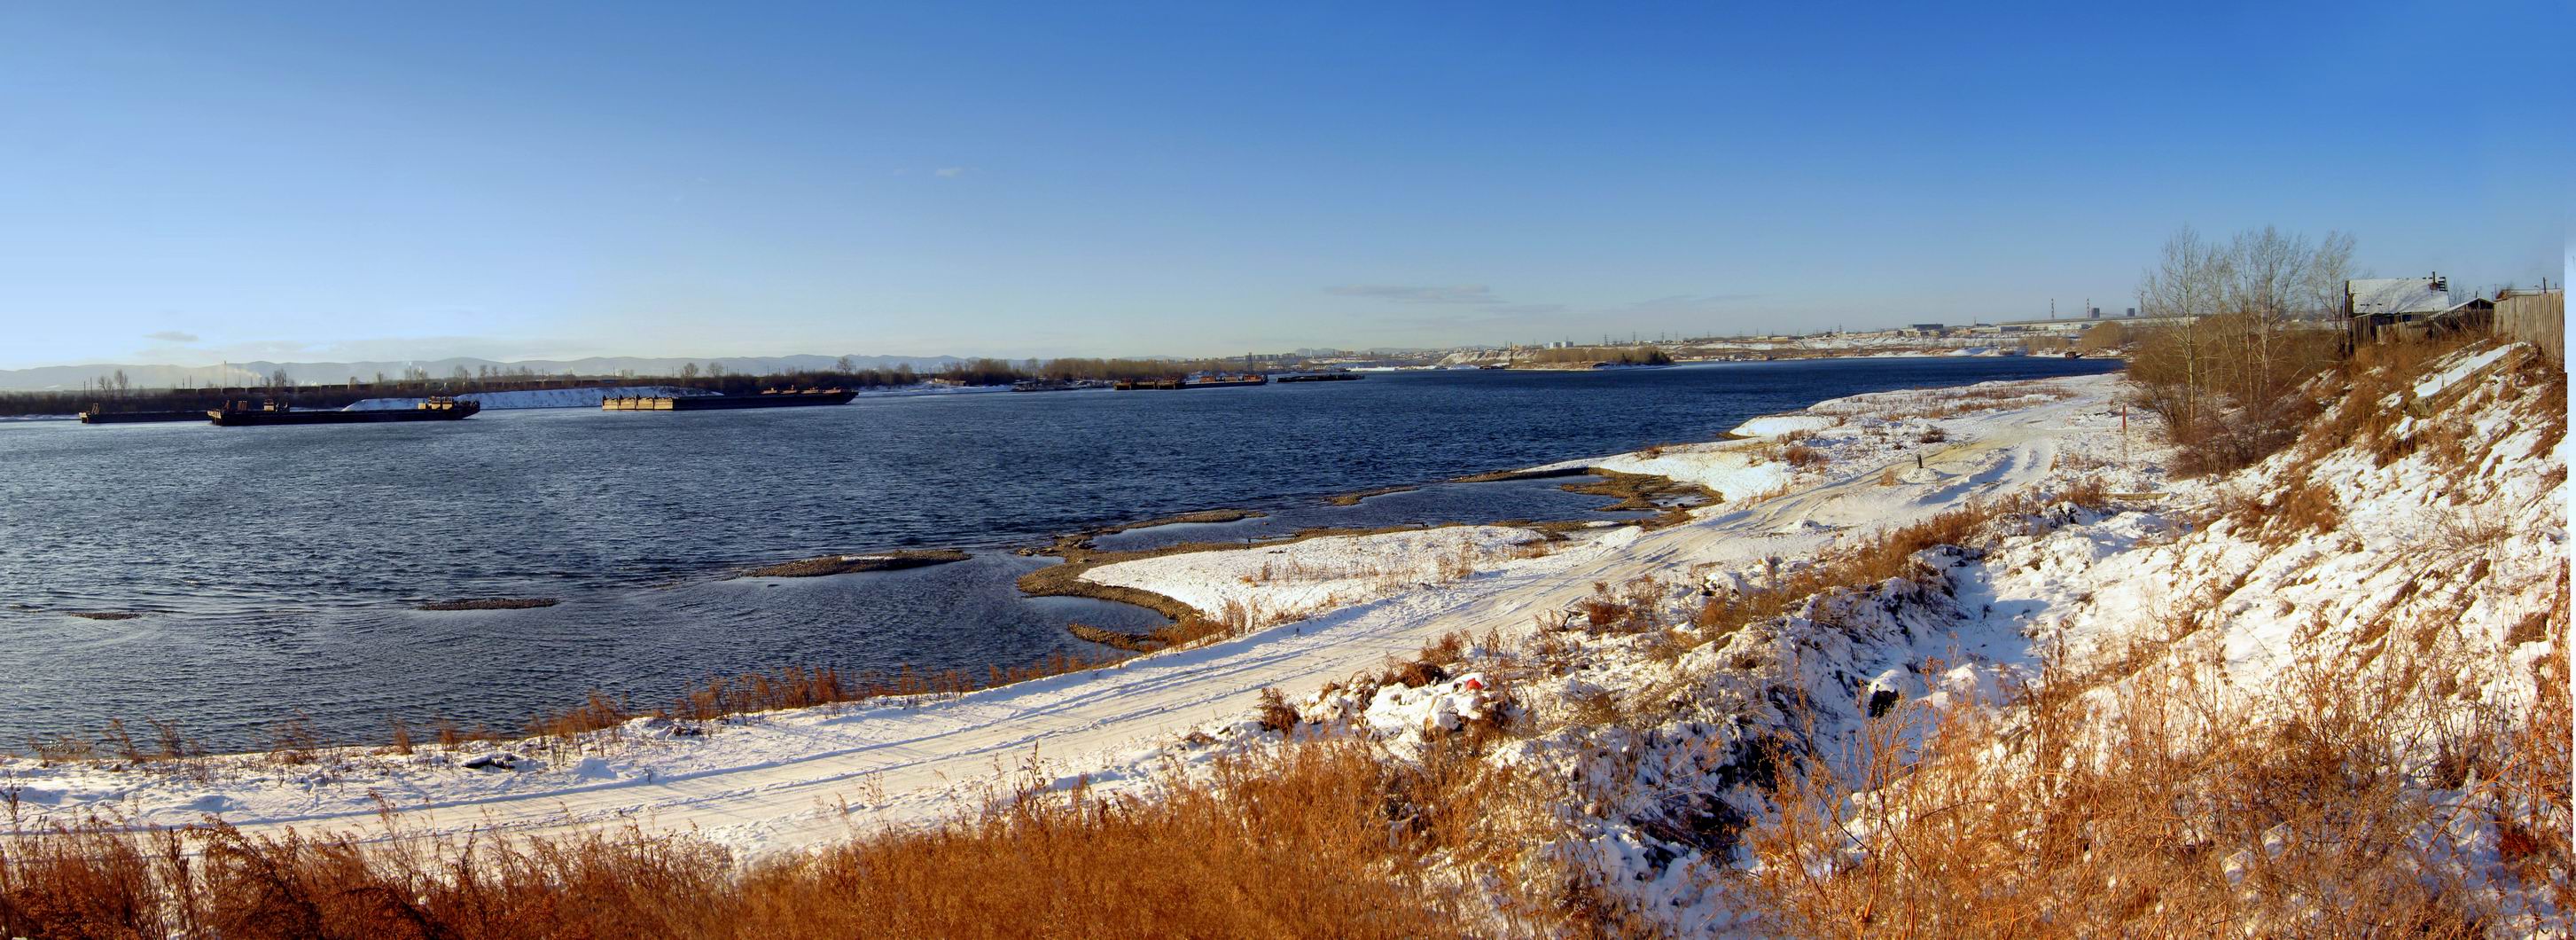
{"x": 193, "y": 182}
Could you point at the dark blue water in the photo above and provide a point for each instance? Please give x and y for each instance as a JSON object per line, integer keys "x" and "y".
{"x": 277, "y": 567}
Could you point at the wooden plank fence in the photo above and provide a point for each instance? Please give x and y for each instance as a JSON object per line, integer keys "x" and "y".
{"x": 2538, "y": 318}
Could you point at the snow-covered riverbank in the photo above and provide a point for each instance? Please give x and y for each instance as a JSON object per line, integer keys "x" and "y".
{"x": 768, "y": 782}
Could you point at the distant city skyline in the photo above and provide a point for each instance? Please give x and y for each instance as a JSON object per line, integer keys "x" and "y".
{"x": 188, "y": 184}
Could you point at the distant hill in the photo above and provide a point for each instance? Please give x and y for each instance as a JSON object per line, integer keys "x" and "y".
{"x": 58, "y": 378}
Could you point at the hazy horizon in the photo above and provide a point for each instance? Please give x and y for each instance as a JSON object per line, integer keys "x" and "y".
{"x": 195, "y": 185}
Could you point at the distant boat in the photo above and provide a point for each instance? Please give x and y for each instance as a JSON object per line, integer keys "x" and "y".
{"x": 771, "y": 398}
{"x": 1331, "y": 375}
{"x": 241, "y": 414}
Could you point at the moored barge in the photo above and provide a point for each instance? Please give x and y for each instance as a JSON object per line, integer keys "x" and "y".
{"x": 1210, "y": 381}
{"x": 1336, "y": 375}
{"x": 770, "y": 398}
{"x": 242, "y": 414}
{"x": 97, "y": 416}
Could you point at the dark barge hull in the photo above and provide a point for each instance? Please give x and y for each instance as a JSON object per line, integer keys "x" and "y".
{"x": 725, "y": 402}
{"x": 254, "y": 418}
{"x": 1177, "y": 384}
{"x": 139, "y": 417}
{"x": 1318, "y": 377}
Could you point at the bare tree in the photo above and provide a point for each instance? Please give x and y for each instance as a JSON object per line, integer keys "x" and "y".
{"x": 2246, "y": 332}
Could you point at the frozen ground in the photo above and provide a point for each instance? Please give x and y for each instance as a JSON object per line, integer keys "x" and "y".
{"x": 791, "y": 779}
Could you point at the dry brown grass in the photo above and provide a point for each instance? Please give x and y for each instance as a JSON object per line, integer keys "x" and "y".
{"x": 1935, "y": 404}
{"x": 1317, "y": 840}
{"x": 2173, "y": 810}
{"x": 2138, "y": 797}
{"x": 1888, "y": 555}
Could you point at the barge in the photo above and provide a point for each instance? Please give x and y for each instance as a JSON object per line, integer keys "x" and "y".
{"x": 97, "y": 416}
{"x": 1212, "y": 381}
{"x": 242, "y": 414}
{"x": 770, "y": 398}
{"x": 1335, "y": 375}
{"x": 1058, "y": 385}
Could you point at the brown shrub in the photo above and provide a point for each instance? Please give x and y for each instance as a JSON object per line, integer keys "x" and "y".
{"x": 1274, "y": 711}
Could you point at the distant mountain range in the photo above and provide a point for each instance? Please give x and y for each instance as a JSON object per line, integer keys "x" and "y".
{"x": 62, "y": 378}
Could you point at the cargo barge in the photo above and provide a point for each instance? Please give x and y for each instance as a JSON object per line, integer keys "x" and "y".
{"x": 1213, "y": 381}
{"x": 771, "y": 398}
{"x": 242, "y": 414}
{"x": 1333, "y": 376}
{"x": 1058, "y": 385}
{"x": 95, "y": 416}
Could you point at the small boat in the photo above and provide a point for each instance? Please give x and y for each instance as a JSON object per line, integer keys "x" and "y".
{"x": 242, "y": 414}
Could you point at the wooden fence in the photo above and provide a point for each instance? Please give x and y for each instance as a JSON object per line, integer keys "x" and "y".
{"x": 2538, "y": 318}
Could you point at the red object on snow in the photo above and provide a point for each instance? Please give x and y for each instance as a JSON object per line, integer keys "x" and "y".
{"x": 1475, "y": 683}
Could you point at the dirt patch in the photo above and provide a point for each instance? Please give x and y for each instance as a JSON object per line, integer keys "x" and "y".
{"x": 105, "y": 614}
{"x": 1202, "y": 516}
{"x": 1506, "y": 476}
{"x": 1669, "y": 499}
{"x": 1353, "y": 498}
{"x": 491, "y": 603}
{"x": 849, "y": 564}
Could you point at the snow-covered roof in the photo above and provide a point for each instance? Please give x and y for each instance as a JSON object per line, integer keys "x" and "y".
{"x": 2398, "y": 295}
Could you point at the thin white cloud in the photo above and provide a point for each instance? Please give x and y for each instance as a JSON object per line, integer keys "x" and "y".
{"x": 1420, "y": 294}
{"x": 171, "y": 336}
{"x": 1689, "y": 303}
{"x": 949, "y": 172}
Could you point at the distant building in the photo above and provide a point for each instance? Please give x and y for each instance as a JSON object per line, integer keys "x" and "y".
{"x": 2377, "y": 307}
{"x": 1924, "y": 329}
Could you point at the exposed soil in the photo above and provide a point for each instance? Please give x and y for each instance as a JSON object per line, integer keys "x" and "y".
{"x": 848, "y": 564}
{"x": 1353, "y": 498}
{"x": 1637, "y": 492}
{"x": 491, "y": 603}
{"x": 1201, "y": 516}
{"x": 1672, "y": 501}
{"x": 1505, "y": 476}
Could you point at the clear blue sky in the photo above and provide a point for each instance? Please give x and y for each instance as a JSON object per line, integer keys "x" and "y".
{"x": 188, "y": 182}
